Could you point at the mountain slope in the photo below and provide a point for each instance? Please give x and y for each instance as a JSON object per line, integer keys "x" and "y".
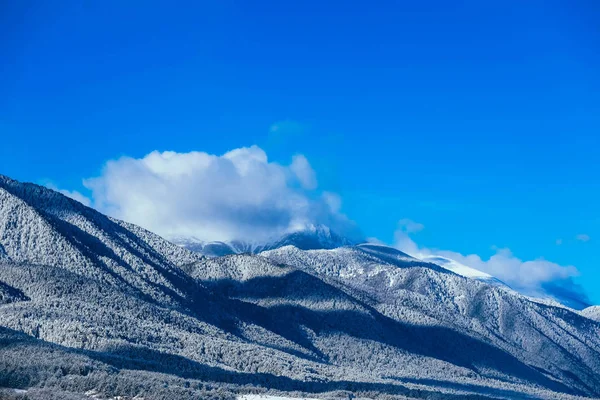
{"x": 312, "y": 237}
{"x": 38, "y": 225}
{"x": 550, "y": 339}
{"x": 9, "y": 294}
{"x": 551, "y": 293}
{"x": 592, "y": 312}
{"x": 116, "y": 309}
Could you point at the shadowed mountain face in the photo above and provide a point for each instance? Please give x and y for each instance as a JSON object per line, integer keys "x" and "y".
{"x": 9, "y": 294}
{"x": 91, "y": 303}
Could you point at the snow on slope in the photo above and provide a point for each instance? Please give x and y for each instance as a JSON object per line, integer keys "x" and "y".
{"x": 592, "y": 312}
{"x": 551, "y": 295}
{"x": 363, "y": 318}
{"x": 41, "y": 226}
{"x": 463, "y": 270}
{"x": 310, "y": 238}
{"x": 446, "y": 263}
{"x": 458, "y": 268}
{"x": 544, "y": 337}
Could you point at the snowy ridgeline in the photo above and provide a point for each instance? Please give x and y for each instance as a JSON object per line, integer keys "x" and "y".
{"x": 89, "y": 304}
{"x": 592, "y": 312}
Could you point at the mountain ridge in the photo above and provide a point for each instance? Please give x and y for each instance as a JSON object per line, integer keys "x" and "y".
{"x": 121, "y": 307}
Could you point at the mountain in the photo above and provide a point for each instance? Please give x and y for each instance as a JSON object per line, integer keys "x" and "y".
{"x": 93, "y": 307}
{"x": 9, "y": 294}
{"x": 592, "y": 312}
{"x": 311, "y": 237}
{"x": 412, "y": 292}
{"x": 208, "y": 249}
{"x": 551, "y": 293}
{"x": 315, "y": 237}
{"x": 40, "y": 226}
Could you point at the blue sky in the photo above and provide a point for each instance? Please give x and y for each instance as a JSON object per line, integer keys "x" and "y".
{"x": 479, "y": 120}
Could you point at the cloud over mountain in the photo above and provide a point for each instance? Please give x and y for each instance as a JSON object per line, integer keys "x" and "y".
{"x": 537, "y": 278}
{"x": 237, "y": 195}
{"x": 242, "y": 195}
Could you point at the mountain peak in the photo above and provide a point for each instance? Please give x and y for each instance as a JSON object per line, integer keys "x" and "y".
{"x": 311, "y": 237}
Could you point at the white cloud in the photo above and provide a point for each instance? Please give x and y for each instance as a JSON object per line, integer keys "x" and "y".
{"x": 74, "y": 194}
{"x": 238, "y": 195}
{"x": 583, "y": 237}
{"x": 559, "y": 242}
{"x": 533, "y": 278}
{"x": 333, "y": 200}
{"x": 304, "y": 172}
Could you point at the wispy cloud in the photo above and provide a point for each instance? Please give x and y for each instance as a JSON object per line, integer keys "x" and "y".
{"x": 582, "y": 237}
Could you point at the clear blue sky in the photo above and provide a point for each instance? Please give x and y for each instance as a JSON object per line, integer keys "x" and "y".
{"x": 480, "y": 120}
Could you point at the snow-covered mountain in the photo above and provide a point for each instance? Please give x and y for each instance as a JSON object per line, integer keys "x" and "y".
{"x": 89, "y": 304}
{"x": 320, "y": 237}
{"x": 551, "y": 294}
{"x": 592, "y": 312}
{"x": 41, "y": 226}
{"x": 527, "y": 330}
{"x": 311, "y": 237}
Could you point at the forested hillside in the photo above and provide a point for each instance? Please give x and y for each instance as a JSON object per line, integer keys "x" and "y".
{"x": 92, "y": 306}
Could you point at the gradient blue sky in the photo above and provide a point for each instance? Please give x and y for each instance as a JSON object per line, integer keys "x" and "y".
{"x": 480, "y": 120}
